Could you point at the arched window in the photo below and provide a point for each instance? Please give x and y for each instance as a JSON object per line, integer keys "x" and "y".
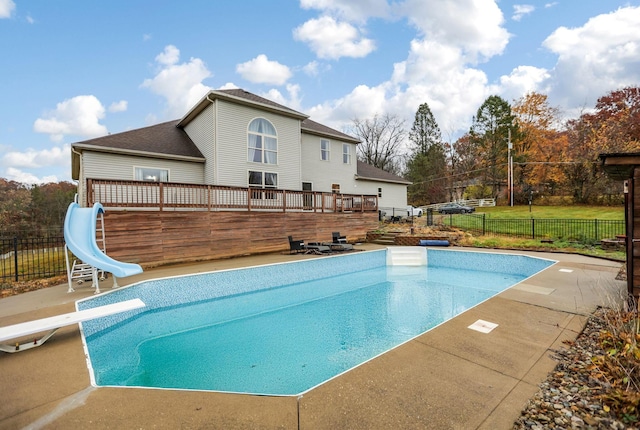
{"x": 262, "y": 142}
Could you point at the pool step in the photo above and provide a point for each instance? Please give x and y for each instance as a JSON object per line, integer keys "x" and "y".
{"x": 406, "y": 256}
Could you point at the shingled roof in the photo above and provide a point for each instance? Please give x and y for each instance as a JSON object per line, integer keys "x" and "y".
{"x": 367, "y": 171}
{"x": 163, "y": 140}
{"x": 316, "y": 128}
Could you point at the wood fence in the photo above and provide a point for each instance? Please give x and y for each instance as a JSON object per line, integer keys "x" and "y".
{"x": 156, "y": 238}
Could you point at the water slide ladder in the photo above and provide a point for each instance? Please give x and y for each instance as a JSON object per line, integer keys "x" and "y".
{"x": 406, "y": 256}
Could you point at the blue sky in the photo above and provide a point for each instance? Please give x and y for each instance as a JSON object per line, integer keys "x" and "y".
{"x": 75, "y": 70}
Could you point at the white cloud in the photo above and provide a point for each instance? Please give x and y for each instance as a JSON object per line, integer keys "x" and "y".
{"x": 331, "y": 39}
{"x": 473, "y": 26}
{"x": 292, "y": 100}
{"x": 179, "y": 83}
{"x": 120, "y": 106}
{"x": 79, "y": 116}
{"x": 18, "y": 175}
{"x": 169, "y": 56}
{"x": 6, "y": 8}
{"x": 604, "y": 53}
{"x": 311, "y": 68}
{"x": 19, "y": 164}
{"x": 350, "y": 10}
{"x": 520, "y": 10}
{"x": 263, "y": 71}
{"x": 228, "y": 86}
{"x": 523, "y": 80}
{"x": 32, "y": 158}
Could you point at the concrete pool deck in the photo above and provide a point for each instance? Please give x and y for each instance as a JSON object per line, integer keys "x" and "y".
{"x": 451, "y": 377}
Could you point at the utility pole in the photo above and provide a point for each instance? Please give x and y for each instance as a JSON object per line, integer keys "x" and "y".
{"x": 510, "y": 169}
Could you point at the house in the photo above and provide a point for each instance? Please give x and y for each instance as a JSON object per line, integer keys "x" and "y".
{"x": 235, "y": 138}
{"x": 236, "y": 174}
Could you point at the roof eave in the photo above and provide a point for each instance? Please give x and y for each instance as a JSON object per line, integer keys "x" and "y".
{"x": 137, "y": 153}
{"x": 331, "y": 135}
{"x": 391, "y": 181}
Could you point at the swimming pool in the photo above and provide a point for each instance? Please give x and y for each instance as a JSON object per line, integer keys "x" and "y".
{"x": 282, "y": 329}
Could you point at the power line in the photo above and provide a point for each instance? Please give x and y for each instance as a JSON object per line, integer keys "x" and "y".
{"x": 503, "y": 164}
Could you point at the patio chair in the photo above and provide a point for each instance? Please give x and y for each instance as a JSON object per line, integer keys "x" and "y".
{"x": 317, "y": 248}
{"x": 337, "y": 238}
{"x": 340, "y": 242}
{"x": 296, "y": 246}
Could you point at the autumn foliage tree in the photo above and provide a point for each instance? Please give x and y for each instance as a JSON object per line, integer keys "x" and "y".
{"x": 613, "y": 126}
{"x": 538, "y": 151}
{"x": 33, "y": 210}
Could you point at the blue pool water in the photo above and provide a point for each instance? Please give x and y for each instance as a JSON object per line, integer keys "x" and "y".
{"x": 282, "y": 329}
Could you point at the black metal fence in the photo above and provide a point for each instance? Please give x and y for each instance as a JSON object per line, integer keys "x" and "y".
{"x": 581, "y": 230}
{"x": 28, "y": 258}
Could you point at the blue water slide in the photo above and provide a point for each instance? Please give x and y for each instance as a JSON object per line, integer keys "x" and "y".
{"x": 80, "y": 237}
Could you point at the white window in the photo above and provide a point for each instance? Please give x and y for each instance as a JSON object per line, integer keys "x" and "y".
{"x": 151, "y": 174}
{"x": 263, "y": 180}
{"x": 262, "y": 142}
{"x": 379, "y": 192}
{"x": 335, "y": 188}
{"x": 325, "y": 150}
{"x": 346, "y": 153}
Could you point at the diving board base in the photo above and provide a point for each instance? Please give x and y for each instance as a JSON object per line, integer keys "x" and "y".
{"x": 52, "y": 324}
{"x": 27, "y": 345}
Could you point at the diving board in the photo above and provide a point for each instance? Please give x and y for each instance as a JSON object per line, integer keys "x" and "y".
{"x": 54, "y": 323}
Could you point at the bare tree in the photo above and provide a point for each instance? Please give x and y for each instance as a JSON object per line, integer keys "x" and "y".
{"x": 383, "y": 139}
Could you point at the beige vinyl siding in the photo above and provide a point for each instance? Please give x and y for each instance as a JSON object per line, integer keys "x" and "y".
{"x": 324, "y": 173}
{"x": 116, "y": 166}
{"x": 202, "y": 132}
{"x": 393, "y": 195}
{"x": 233, "y": 165}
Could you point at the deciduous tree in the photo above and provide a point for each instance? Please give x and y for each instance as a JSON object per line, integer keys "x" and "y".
{"x": 382, "y": 139}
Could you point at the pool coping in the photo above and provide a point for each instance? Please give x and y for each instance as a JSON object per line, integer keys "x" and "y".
{"x": 450, "y": 377}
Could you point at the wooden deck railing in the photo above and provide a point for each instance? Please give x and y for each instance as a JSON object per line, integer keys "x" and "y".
{"x": 165, "y": 195}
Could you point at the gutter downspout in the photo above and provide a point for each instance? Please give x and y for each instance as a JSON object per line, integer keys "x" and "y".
{"x": 81, "y": 185}
{"x": 215, "y": 140}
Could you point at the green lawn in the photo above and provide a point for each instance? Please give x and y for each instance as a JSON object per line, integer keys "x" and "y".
{"x": 554, "y": 212}
{"x": 505, "y": 227}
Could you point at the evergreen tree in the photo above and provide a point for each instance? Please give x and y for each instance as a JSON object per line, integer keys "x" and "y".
{"x": 426, "y": 166}
{"x": 490, "y": 134}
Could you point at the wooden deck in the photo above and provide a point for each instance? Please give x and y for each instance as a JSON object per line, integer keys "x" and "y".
{"x": 175, "y": 196}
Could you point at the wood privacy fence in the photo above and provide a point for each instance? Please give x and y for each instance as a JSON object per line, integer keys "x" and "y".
{"x": 175, "y": 196}
{"x": 156, "y": 238}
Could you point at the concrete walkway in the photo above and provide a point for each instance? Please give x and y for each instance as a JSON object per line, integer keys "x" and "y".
{"x": 449, "y": 378}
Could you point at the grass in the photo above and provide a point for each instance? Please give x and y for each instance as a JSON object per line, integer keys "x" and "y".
{"x": 554, "y": 212}
{"x": 505, "y": 242}
{"x": 577, "y": 238}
